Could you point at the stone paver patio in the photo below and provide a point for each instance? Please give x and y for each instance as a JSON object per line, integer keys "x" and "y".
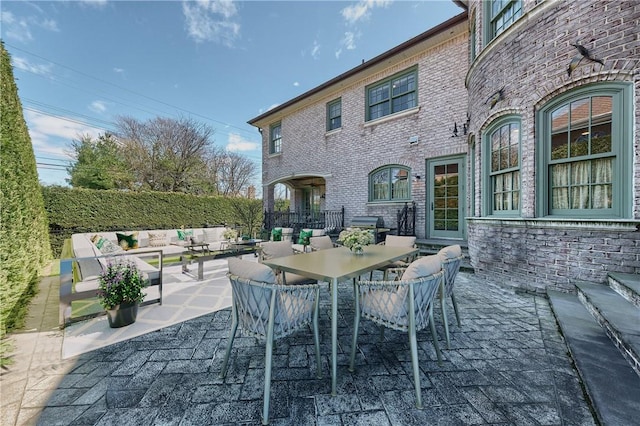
{"x": 507, "y": 364}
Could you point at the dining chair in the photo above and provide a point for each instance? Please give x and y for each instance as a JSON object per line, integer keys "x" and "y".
{"x": 396, "y": 241}
{"x": 321, "y": 243}
{"x": 451, "y": 257}
{"x": 274, "y": 249}
{"x": 405, "y": 305}
{"x": 269, "y": 311}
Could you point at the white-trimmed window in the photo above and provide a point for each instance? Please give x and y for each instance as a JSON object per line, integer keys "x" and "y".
{"x": 334, "y": 114}
{"x": 585, "y": 155}
{"x": 501, "y": 15}
{"x": 275, "y": 138}
{"x": 395, "y": 94}
{"x": 390, "y": 183}
{"x": 502, "y": 144}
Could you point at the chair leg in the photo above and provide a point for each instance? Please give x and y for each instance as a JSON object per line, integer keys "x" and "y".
{"x": 413, "y": 345}
{"x": 455, "y": 308}
{"x": 267, "y": 369}
{"x": 232, "y": 335}
{"x": 356, "y": 324}
{"x": 443, "y": 305}
{"x": 316, "y": 336}
{"x": 434, "y": 335}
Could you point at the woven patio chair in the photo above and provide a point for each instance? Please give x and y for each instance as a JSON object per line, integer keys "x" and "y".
{"x": 321, "y": 243}
{"x": 451, "y": 257}
{"x": 269, "y": 311}
{"x": 396, "y": 241}
{"x": 404, "y": 305}
{"x": 275, "y": 249}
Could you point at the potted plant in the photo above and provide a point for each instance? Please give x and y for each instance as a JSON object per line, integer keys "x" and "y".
{"x": 120, "y": 292}
{"x": 355, "y": 239}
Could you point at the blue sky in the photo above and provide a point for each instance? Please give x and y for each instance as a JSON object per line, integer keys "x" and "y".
{"x": 80, "y": 64}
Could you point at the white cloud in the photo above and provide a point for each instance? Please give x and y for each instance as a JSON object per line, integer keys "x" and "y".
{"x": 98, "y": 106}
{"x": 338, "y": 53}
{"x": 315, "y": 52}
{"x": 237, "y": 143}
{"x": 94, "y": 3}
{"x": 263, "y": 110}
{"x": 118, "y": 70}
{"x": 43, "y": 127}
{"x": 212, "y": 20}
{"x": 296, "y": 84}
{"x": 349, "y": 40}
{"x": 24, "y": 64}
{"x": 362, "y": 10}
{"x": 20, "y": 28}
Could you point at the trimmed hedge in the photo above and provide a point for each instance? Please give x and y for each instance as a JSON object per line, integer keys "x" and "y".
{"x": 24, "y": 237}
{"x": 75, "y": 210}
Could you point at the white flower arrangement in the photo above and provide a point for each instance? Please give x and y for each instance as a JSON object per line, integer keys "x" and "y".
{"x": 355, "y": 238}
{"x": 230, "y": 234}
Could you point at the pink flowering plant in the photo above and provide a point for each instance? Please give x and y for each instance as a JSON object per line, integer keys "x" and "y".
{"x": 121, "y": 282}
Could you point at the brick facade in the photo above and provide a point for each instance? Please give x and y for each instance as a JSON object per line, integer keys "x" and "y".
{"x": 528, "y": 61}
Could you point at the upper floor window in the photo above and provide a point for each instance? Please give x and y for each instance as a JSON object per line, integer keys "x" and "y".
{"x": 585, "y": 156}
{"x": 389, "y": 183}
{"x": 275, "y": 141}
{"x": 334, "y": 114}
{"x": 392, "y": 95}
{"x": 502, "y": 141}
{"x": 502, "y": 13}
{"x": 472, "y": 38}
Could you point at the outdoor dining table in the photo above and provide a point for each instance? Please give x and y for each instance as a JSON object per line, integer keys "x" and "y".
{"x": 336, "y": 264}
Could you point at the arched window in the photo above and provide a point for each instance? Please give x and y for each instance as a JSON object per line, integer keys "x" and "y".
{"x": 390, "y": 183}
{"x": 502, "y": 167}
{"x": 585, "y": 153}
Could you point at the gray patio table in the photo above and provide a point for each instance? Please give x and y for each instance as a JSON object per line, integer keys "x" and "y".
{"x": 333, "y": 265}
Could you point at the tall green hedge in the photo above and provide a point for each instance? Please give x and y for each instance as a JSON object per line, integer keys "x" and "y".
{"x": 74, "y": 210}
{"x": 24, "y": 237}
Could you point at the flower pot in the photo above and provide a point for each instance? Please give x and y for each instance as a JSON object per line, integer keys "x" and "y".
{"x": 357, "y": 250}
{"x": 122, "y": 315}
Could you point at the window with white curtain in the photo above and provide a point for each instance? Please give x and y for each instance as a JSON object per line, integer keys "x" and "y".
{"x": 389, "y": 183}
{"x": 583, "y": 167}
{"x": 502, "y": 142}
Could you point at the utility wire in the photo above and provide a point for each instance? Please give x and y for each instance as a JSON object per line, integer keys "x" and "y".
{"x": 127, "y": 90}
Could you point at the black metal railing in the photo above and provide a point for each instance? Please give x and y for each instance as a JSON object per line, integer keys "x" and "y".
{"x": 407, "y": 219}
{"x": 330, "y": 220}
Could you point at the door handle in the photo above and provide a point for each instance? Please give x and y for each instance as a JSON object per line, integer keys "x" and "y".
{"x": 432, "y": 206}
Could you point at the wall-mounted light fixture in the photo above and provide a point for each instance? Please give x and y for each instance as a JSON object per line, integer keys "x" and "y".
{"x": 323, "y": 196}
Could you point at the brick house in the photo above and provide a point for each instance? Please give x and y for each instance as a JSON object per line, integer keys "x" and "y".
{"x": 479, "y": 123}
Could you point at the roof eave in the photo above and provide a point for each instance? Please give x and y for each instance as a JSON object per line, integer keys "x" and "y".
{"x": 432, "y": 32}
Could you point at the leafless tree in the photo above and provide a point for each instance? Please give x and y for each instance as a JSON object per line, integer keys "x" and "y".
{"x": 165, "y": 154}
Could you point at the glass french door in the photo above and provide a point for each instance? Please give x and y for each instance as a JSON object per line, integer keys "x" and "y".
{"x": 445, "y": 203}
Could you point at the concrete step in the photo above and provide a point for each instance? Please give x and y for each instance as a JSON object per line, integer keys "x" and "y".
{"x": 611, "y": 384}
{"x": 619, "y": 318}
{"x": 627, "y": 285}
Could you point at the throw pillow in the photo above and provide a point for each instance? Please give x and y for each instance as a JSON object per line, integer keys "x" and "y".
{"x": 422, "y": 267}
{"x": 105, "y": 245}
{"x": 185, "y": 235}
{"x": 157, "y": 239}
{"x": 276, "y": 234}
{"x": 305, "y": 234}
{"x": 127, "y": 241}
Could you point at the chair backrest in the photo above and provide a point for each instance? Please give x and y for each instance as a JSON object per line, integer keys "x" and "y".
{"x": 255, "y": 294}
{"x": 451, "y": 256}
{"x": 400, "y": 241}
{"x": 274, "y": 249}
{"x": 389, "y": 304}
{"x": 321, "y": 243}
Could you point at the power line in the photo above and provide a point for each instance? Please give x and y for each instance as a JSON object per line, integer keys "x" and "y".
{"x": 127, "y": 90}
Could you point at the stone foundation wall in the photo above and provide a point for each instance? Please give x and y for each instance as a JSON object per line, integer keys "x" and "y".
{"x": 534, "y": 254}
